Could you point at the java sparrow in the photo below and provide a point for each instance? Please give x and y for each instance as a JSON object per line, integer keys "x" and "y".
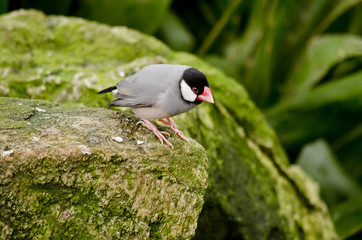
{"x": 161, "y": 91}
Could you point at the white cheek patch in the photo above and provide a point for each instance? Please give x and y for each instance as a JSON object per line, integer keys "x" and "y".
{"x": 186, "y": 92}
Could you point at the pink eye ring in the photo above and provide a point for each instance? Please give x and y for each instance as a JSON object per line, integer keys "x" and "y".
{"x": 195, "y": 90}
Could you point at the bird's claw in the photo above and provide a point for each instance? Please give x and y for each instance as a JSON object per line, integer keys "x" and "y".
{"x": 162, "y": 138}
{"x": 181, "y": 135}
{"x": 159, "y": 134}
{"x": 172, "y": 125}
{"x": 165, "y": 133}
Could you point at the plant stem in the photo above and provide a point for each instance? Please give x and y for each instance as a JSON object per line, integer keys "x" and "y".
{"x": 220, "y": 24}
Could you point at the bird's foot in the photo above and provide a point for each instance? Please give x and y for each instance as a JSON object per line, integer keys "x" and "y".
{"x": 153, "y": 128}
{"x": 172, "y": 125}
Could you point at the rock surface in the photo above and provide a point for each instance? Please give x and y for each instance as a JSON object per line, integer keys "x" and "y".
{"x": 253, "y": 192}
{"x": 63, "y": 176}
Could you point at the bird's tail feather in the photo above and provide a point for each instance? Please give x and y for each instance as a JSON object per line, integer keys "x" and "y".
{"x": 110, "y": 89}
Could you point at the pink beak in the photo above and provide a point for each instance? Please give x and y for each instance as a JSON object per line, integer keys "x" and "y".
{"x": 206, "y": 96}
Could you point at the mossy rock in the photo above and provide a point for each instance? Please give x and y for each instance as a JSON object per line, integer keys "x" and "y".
{"x": 63, "y": 176}
{"x": 253, "y": 192}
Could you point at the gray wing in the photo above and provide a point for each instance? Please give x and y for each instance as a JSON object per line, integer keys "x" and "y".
{"x": 145, "y": 88}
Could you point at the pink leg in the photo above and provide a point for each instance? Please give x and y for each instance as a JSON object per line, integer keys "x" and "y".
{"x": 154, "y": 129}
{"x": 172, "y": 124}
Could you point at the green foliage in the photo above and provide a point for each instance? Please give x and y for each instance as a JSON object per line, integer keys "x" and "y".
{"x": 319, "y": 161}
{"x": 143, "y": 15}
{"x": 146, "y": 16}
{"x": 175, "y": 33}
{"x": 3, "y": 6}
{"x": 347, "y": 217}
{"x": 53, "y": 7}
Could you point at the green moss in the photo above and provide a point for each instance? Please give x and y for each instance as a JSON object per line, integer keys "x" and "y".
{"x": 50, "y": 187}
{"x": 59, "y": 58}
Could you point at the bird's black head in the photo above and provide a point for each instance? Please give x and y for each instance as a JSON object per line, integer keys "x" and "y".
{"x": 195, "y": 87}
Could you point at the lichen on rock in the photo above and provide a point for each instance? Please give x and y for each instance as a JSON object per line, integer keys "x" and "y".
{"x": 67, "y": 178}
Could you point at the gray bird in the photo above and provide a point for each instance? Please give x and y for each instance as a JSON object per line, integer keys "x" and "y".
{"x": 161, "y": 91}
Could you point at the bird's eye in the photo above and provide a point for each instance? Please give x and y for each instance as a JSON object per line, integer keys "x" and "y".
{"x": 195, "y": 90}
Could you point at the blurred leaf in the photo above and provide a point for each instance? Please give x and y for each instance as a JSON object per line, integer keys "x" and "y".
{"x": 311, "y": 18}
{"x": 268, "y": 57}
{"x": 252, "y": 54}
{"x": 238, "y": 51}
{"x": 303, "y": 22}
{"x": 318, "y": 161}
{"x": 145, "y": 16}
{"x": 349, "y": 147}
{"x": 343, "y": 196}
{"x": 349, "y": 66}
{"x": 305, "y": 19}
{"x": 176, "y": 34}
{"x": 222, "y": 64}
{"x": 339, "y": 7}
{"x": 328, "y": 111}
{"x": 49, "y": 7}
{"x": 356, "y": 26}
{"x": 219, "y": 25}
{"x": 321, "y": 55}
{"x": 348, "y": 217}
{"x": 330, "y": 93}
{"x": 3, "y": 6}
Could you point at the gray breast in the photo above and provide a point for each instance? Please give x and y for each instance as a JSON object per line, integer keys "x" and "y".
{"x": 173, "y": 103}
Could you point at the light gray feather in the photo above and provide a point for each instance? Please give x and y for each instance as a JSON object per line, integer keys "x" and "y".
{"x": 155, "y": 87}
{"x": 147, "y": 85}
{"x": 123, "y": 103}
